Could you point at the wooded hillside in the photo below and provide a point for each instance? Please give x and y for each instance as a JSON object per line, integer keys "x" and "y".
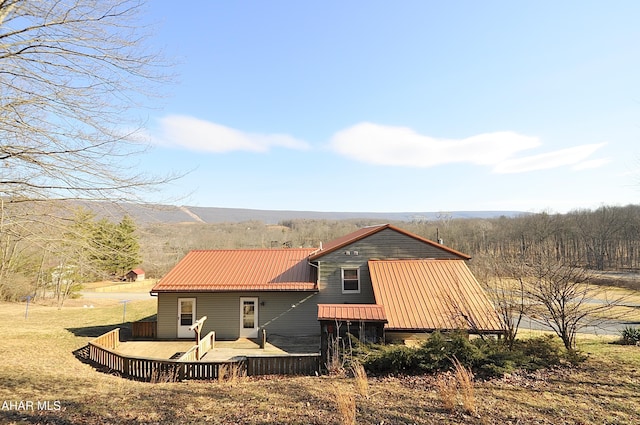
{"x": 607, "y": 238}
{"x": 41, "y": 241}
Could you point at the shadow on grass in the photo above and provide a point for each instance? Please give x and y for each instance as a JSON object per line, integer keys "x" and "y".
{"x": 34, "y": 417}
{"x": 82, "y": 353}
{"x": 96, "y": 331}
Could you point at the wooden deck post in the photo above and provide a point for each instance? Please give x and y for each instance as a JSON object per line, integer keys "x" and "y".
{"x": 197, "y": 328}
{"x": 125, "y": 366}
{"x": 263, "y": 338}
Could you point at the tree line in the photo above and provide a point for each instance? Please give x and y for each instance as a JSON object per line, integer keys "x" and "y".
{"x": 607, "y": 238}
{"x": 37, "y": 238}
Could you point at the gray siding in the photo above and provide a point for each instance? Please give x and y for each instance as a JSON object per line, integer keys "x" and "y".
{"x": 330, "y": 283}
{"x": 278, "y": 314}
{"x": 168, "y": 315}
{"x": 386, "y": 244}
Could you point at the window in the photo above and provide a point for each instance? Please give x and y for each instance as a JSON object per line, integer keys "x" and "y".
{"x": 351, "y": 281}
{"x": 248, "y": 314}
{"x": 186, "y": 312}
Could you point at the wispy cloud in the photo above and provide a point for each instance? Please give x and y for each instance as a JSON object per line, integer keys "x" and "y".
{"x": 563, "y": 157}
{"x": 205, "y": 136}
{"x": 594, "y": 163}
{"x": 401, "y": 146}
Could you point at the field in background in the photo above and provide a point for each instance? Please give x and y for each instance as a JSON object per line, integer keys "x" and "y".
{"x": 111, "y": 286}
{"x": 38, "y": 366}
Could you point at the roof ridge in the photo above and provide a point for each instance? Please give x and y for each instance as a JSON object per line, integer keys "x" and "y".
{"x": 252, "y": 249}
{"x": 416, "y": 259}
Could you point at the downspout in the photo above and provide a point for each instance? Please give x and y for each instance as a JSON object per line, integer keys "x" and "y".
{"x": 317, "y": 272}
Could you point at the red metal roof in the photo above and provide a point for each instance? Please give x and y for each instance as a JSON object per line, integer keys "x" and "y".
{"x": 431, "y": 294}
{"x": 352, "y": 312}
{"x": 240, "y": 270}
{"x": 370, "y": 230}
{"x": 138, "y": 271}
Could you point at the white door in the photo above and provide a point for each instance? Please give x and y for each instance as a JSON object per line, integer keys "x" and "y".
{"x": 186, "y": 317}
{"x": 248, "y": 317}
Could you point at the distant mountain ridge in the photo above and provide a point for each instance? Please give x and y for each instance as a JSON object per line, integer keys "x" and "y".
{"x": 147, "y": 214}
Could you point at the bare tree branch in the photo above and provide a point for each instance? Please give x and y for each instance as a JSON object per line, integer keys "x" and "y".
{"x": 566, "y": 301}
{"x": 71, "y": 74}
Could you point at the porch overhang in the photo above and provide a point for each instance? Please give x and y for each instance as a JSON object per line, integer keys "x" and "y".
{"x": 373, "y": 313}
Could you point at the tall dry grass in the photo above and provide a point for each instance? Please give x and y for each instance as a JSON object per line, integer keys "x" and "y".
{"x": 447, "y": 388}
{"x": 459, "y": 382}
{"x": 231, "y": 373}
{"x": 345, "y": 404}
{"x": 360, "y": 380}
{"x": 464, "y": 376}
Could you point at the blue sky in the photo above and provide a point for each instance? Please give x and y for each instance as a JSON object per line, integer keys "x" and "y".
{"x": 400, "y": 106}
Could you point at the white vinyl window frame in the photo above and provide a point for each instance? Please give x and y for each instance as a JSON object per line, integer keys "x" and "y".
{"x": 349, "y": 280}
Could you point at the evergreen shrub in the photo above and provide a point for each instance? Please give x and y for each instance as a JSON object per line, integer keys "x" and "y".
{"x": 486, "y": 357}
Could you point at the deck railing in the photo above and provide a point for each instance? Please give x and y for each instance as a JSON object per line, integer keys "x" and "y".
{"x": 206, "y": 343}
{"x": 291, "y": 364}
{"x": 190, "y": 356}
{"x": 186, "y": 367}
{"x": 144, "y": 329}
{"x": 109, "y": 340}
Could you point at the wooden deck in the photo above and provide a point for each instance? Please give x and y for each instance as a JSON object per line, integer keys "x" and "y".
{"x": 154, "y": 349}
{"x": 170, "y": 365}
{"x": 223, "y": 350}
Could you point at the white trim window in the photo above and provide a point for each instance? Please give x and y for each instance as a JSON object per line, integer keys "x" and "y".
{"x": 351, "y": 280}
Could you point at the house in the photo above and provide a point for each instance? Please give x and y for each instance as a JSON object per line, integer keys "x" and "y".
{"x": 380, "y": 281}
{"x": 135, "y": 275}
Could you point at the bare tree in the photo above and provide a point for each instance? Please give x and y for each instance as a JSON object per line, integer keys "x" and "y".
{"x": 504, "y": 283}
{"x": 565, "y": 300}
{"x": 71, "y": 73}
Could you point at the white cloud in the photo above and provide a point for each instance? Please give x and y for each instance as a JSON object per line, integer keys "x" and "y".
{"x": 205, "y": 136}
{"x": 401, "y": 146}
{"x": 559, "y": 158}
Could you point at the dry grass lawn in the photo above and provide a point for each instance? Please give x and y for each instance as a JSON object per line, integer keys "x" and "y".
{"x": 37, "y": 366}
